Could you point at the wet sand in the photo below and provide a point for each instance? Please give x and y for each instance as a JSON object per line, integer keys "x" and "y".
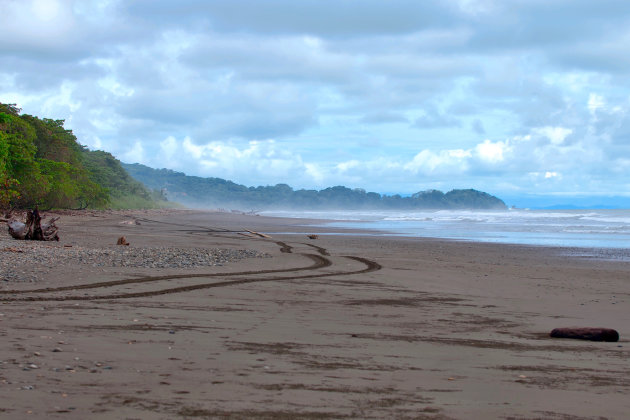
{"x": 343, "y": 326}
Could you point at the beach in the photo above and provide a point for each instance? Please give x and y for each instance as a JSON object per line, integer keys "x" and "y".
{"x": 261, "y": 321}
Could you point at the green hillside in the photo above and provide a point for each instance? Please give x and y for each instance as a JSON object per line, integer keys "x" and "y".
{"x": 42, "y": 164}
{"x": 216, "y": 192}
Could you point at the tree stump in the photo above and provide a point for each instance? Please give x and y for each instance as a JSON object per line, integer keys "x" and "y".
{"x": 33, "y": 228}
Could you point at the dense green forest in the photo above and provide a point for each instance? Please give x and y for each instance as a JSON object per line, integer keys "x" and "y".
{"x": 216, "y": 192}
{"x": 42, "y": 164}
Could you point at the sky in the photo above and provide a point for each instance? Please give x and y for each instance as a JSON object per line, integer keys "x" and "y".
{"x": 524, "y": 99}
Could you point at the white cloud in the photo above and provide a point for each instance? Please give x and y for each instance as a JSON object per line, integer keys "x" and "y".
{"x": 115, "y": 87}
{"x": 555, "y": 134}
{"x": 595, "y": 102}
{"x": 169, "y": 147}
{"x": 386, "y": 97}
{"x": 492, "y": 152}
{"x": 345, "y": 166}
{"x": 134, "y": 154}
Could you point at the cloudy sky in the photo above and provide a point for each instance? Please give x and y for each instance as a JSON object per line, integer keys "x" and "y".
{"x": 513, "y": 97}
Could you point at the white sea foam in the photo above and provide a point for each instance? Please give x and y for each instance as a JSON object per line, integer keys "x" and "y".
{"x": 581, "y": 228}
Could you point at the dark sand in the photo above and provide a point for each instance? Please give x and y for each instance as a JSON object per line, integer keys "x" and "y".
{"x": 344, "y": 326}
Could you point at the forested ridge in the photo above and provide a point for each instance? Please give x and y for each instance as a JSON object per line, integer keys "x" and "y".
{"x": 216, "y": 192}
{"x": 42, "y": 164}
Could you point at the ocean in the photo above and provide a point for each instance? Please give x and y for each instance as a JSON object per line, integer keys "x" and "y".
{"x": 599, "y": 229}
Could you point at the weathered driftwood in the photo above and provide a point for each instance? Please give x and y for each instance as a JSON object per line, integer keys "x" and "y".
{"x": 262, "y": 235}
{"x": 33, "y": 228}
{"x": 582, "y": 333}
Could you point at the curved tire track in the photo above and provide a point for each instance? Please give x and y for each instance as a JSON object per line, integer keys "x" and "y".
{"x": 319, "y": 262}
{"x": 319, "y": 249}
{"x": 287, "y": 249}
{"x": 370, "y": 266}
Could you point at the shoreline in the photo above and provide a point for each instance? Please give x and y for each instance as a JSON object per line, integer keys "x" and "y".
{"x": 343, "y": 326}
{"x": 559, "y": 228}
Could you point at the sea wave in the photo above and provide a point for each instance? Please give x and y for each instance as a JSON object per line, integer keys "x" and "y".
{"x": 581, "y": 228}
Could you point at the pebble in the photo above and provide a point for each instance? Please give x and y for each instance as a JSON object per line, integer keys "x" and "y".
{"x": 37, "y": 258}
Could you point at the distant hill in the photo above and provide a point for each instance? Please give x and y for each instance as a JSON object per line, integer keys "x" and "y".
{"x": 196, "y": 191}
{"x": 42, "y": 164}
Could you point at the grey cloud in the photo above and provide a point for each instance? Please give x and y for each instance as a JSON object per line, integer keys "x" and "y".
{"x": 477, "y": 127}
{"x": 432, "y": 118}
{"x": 325, "y": 18}
{"x": 384, "y": 118}
{"x": 526, "y": 24}
{"x": 611, "y": 58}
{"x": 283, "y": 59}
{"x": 32, "y": 76}
{"x": 341, "y": 72}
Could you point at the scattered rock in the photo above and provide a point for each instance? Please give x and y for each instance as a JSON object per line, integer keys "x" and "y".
{"x": 122, "y": 241}
{"x": 39, "y": 257}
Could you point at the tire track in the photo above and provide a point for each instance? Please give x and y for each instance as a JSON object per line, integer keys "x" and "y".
{"x": 370, "y": 266}
{"x": 318, "y": 262}
{"x": 287, "y": 249}
{"x": 319, "y": 249}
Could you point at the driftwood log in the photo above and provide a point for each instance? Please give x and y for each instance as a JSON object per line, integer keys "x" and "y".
{"x": 33, "y": 228}
{"x": 581, "y": 333}
{"x": 262, "y": 235}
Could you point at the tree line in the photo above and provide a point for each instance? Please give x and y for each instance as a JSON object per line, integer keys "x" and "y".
{"x": 217, "y": 192}
{"x": 43, "y": 165}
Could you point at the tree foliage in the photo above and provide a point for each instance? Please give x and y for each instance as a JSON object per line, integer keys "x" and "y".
{"x": 42, "y": 164}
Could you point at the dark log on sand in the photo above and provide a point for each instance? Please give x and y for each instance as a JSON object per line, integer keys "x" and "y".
{"x": 33, "y": 228}
{"x": 582, "y": 333}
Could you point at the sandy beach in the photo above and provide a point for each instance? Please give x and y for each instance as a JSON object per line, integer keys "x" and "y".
{"x": 343, "y": 326}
